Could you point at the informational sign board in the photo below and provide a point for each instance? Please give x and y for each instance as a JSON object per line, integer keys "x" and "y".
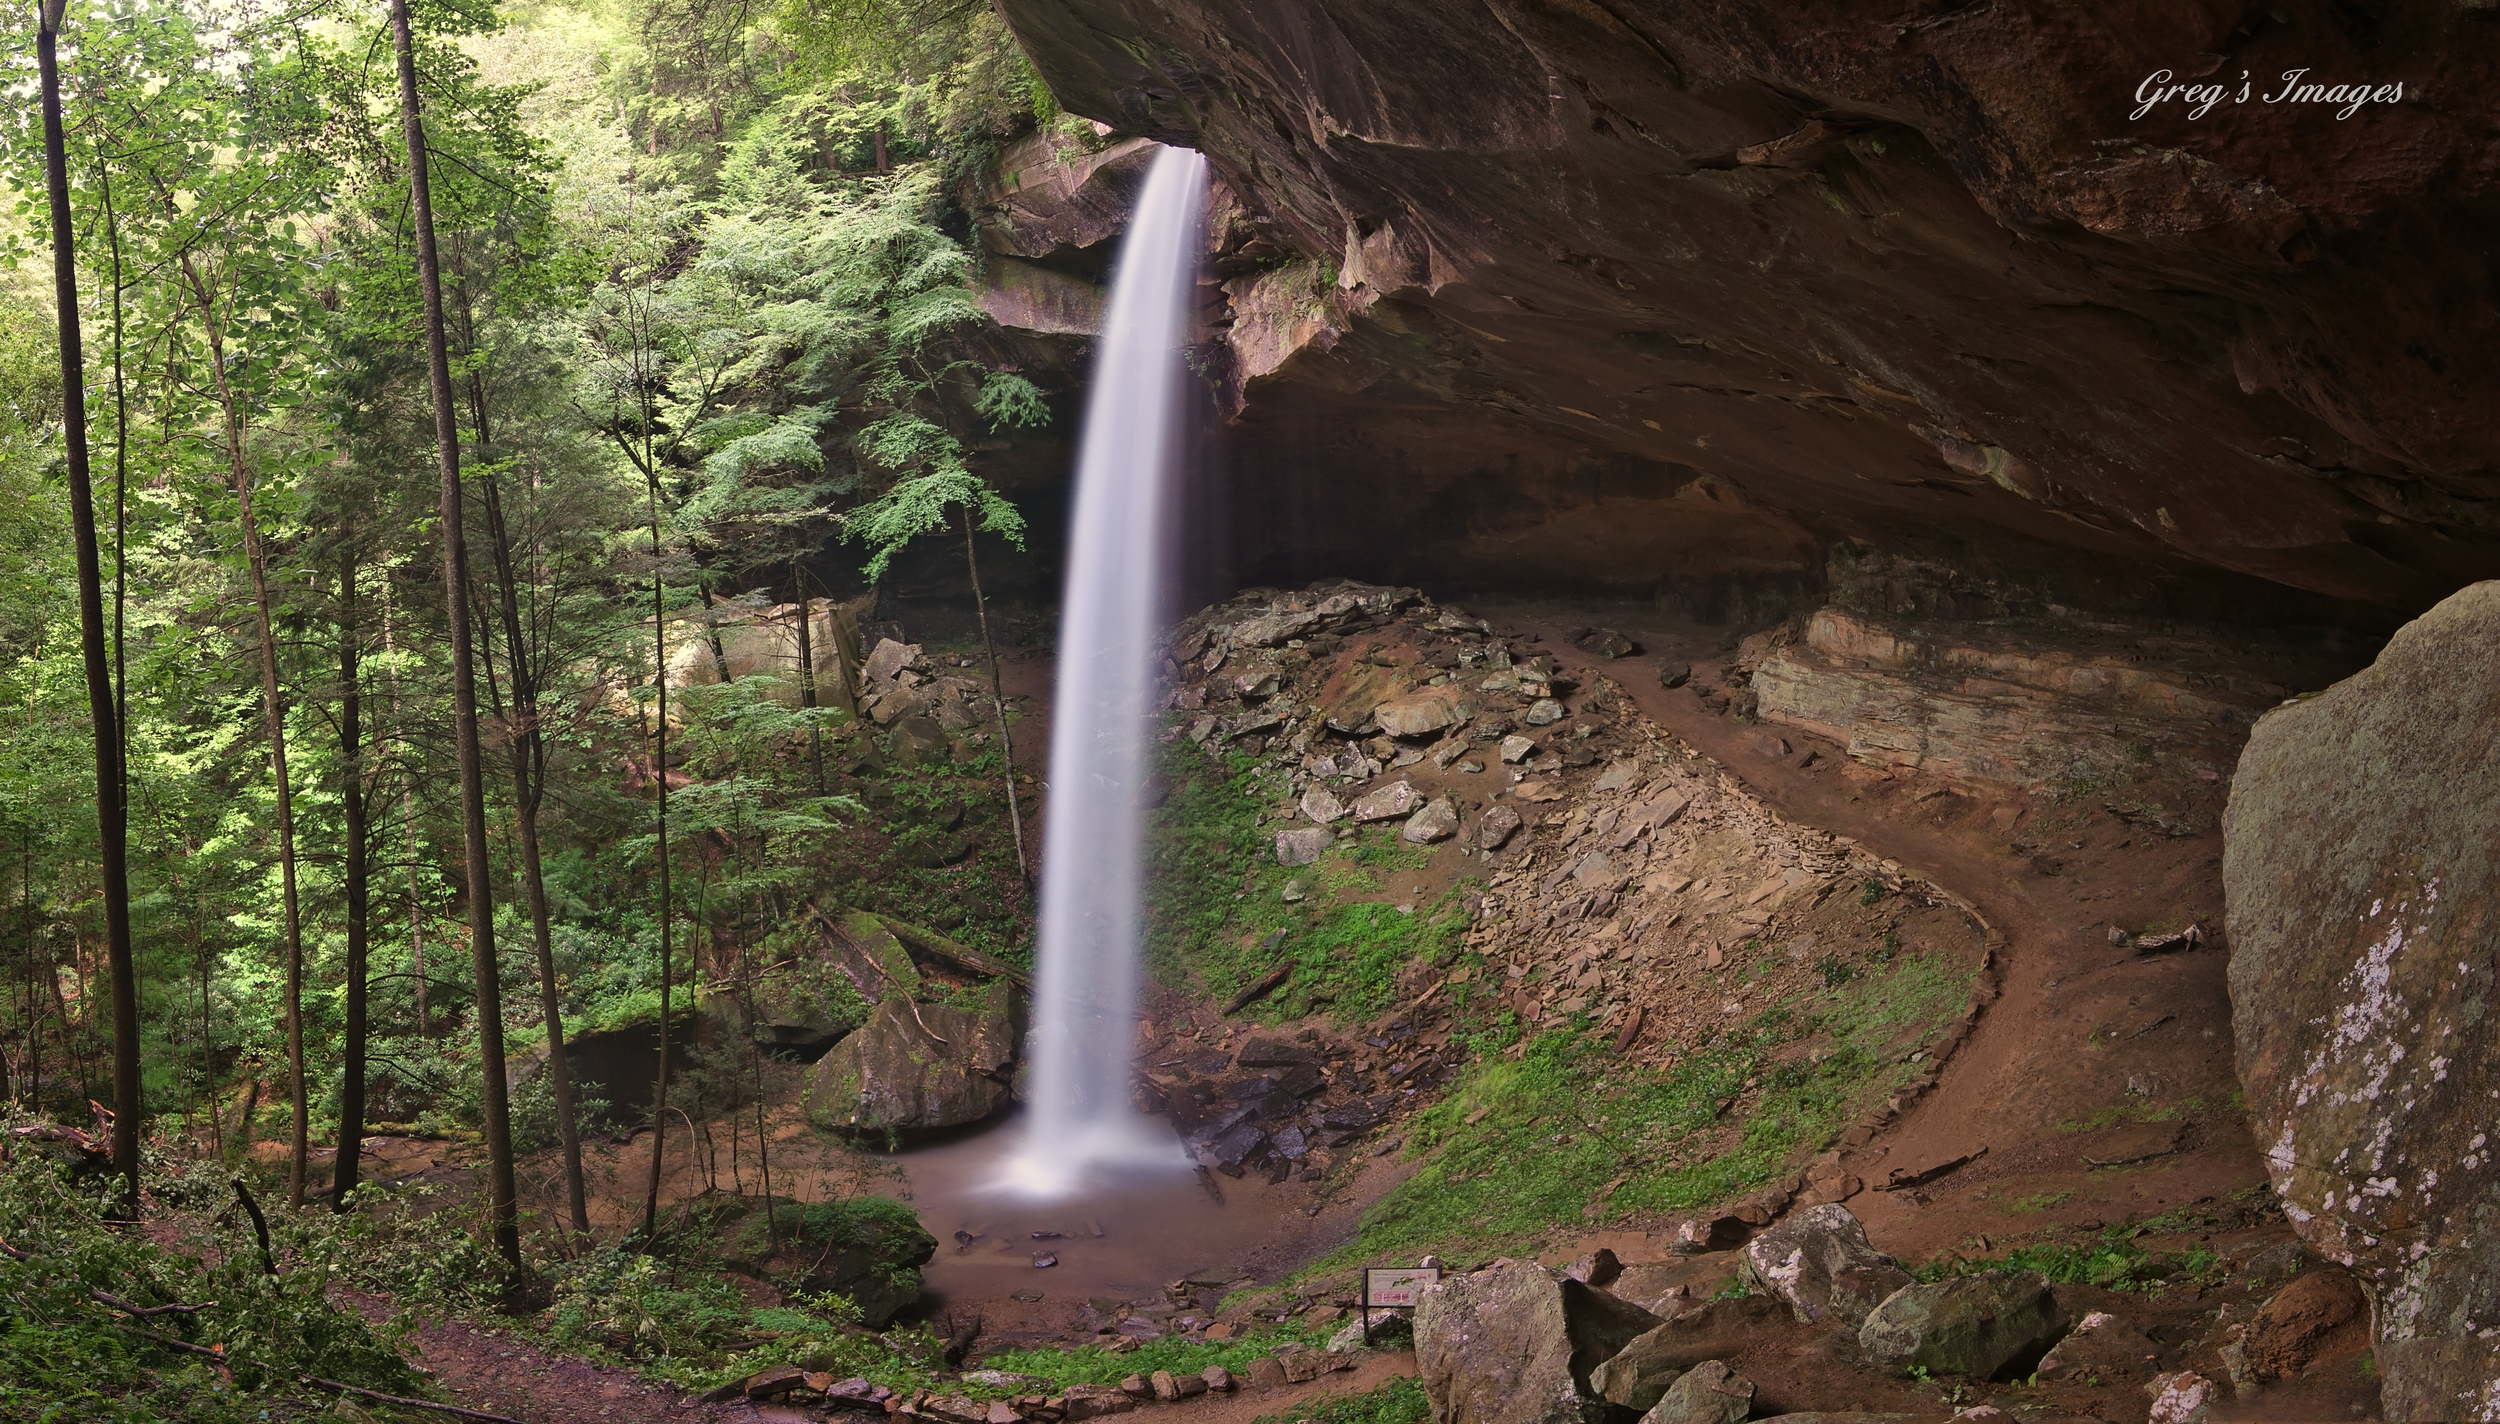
{"x": 1393, "y": 1288}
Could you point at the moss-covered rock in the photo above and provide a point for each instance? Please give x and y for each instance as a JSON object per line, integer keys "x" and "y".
{"x": 914, "y": 1067}
{"x": 868, "y": 1248}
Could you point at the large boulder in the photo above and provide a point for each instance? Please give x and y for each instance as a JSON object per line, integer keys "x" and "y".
{"x": 913, "y": 1067}
{"x": 1639, "y": 1374}
{"x": 2361, "y": 870}
{"x": 1708, "y": 1393}
{"x": 869, "y": 1248}
{"x": 1995, "y": 1325}
{"x": 1492, "y": 1347}
{"x": 1819, "y": 1262}
{"x": 1514, "y": 1344}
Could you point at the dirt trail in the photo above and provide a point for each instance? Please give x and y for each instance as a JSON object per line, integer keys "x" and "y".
{"x": 2083, "y": 1033}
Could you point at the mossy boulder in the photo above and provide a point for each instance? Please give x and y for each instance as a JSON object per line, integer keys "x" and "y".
{"x": 913, "y": 1068}
{"x": 1994, "y": 1325}
{"x": 869, "y": 1248}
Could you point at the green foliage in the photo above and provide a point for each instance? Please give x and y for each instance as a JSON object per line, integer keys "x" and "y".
{"x": 1399, "y": 1400}
{"x": 64, "y": 1355}
{"x": 1564, "y": 1125}
{"x": 1092, "y": 1364}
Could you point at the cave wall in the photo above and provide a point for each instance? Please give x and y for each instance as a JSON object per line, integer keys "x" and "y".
{"x": 1667, "y": 301}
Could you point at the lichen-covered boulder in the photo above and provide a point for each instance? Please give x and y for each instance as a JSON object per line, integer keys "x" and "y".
{"x": 1819, "y": 1261}
{"x": 1492, "y": 1347}
{"x": 2361, "y": 870}
{"x": 1993, "y": 1325}
{"x": 913, "y": 1067}
{"x": 1515, "y": 1344}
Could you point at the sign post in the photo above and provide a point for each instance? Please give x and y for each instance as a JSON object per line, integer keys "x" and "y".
{"x": 1393, "y": 1288}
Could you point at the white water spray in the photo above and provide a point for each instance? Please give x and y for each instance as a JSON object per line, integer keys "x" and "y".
{"x": 1093, "y": 836}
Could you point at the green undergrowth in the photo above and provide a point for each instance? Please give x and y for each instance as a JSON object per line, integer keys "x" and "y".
{"x": 64, "y": 1355}
{"x": 1540, "y": 1140}
{"x": 1394, "y": 1401}
{"x": 1215, "y": 900}
{"x": 1092, "y": 1364}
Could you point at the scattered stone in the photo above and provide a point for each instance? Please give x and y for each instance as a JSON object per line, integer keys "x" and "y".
{"x": 1265, "y": 1372}
{"x": 1216, "y": 1377}
{"x": 772, "y": 1383}
{"x": 918, "y": 741}
{"x": 1322, "y": 805}
{"x": 2360, "y": 891}
{"x": 2185, "y": 1397}
{"x": 1136, "y": 1387}
{"x": 1607, "y": 643}
{"x": 1302, "y": 846}
{"x": 1043, "y": 1260}
{"x": 1269, "y": 629}
{"x": 1544, "y": 712}
{"x": 887, "y": 659}
{"x": 1516, "y": 749}
{"x": 1594, "y": 869}
{"x": 1618, "y": 776}
{"x": 2284, "y": 1337}
{"x": 1820, "y": 1263}
{"x": 1717, "y": 1233}
{"x": 1598, "y": 1268}
{"x": 1496, "y": 827}
{"x": 1988, "y": 1326}
{"x": 1388, "y": 803}
{"x": 1437, "y": 821}
{"x": 1675, "y": 674}
{"x": 2102, "y": 1345}
{"x": 1296, "y": 891}
{"x": 1708, "y": 1393}
{"x": 1418, "y": 714}
{"x": 1639, "y": 1374}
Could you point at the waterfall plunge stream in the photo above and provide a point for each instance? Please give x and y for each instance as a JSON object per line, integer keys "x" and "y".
{"x": 1093, "y": 836}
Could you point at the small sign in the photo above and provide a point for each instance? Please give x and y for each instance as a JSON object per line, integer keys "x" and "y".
{"x": 1396, "y": 1287}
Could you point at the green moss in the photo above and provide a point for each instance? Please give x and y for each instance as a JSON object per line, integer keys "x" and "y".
{"x": 1092, "y": 1364}
{"x": 1565, "y": 1125}
{"x": 1396, "y": 1401}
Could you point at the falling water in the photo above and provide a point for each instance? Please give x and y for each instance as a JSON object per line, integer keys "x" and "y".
{"x": 1093, "y": 846}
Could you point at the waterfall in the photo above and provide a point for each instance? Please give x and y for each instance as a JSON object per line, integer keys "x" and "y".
{"x": 1093, "y": 836}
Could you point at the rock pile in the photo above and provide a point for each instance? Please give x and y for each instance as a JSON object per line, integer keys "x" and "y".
{"x": 1628, "y": 877}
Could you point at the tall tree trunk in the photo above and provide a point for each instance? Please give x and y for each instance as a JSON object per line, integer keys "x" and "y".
{"x": 498, "y": 1116}
{"x": 359, "y": 896}
{"x": 111, "y": 809}
{"x": 807, "y": 677}
{"x": 273, "y": 717}
{"x": 998, "y": 698}
{"x": 529, "y": 784}
{"x": 659, "y": 770}
{"x": 408, "y": 820}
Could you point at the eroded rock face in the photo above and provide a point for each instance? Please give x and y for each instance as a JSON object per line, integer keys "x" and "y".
{"x": 2359, "y": 873}
{"x": 1535, "y": 303}
{"x": 913, "y": 1067}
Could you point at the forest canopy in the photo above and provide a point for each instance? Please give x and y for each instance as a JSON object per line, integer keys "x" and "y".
{"x": 706, "y": 303}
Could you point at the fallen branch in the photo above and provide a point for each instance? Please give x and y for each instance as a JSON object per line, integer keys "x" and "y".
{"x": 1258, "y": 990}
{"x": 260, "y": 1227}
{"x": 316, "y": 1381}
{"x": 938, "y": 946}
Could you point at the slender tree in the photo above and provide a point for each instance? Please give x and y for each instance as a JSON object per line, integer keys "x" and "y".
{"x": 527, "y": 743}
{"x": 358, "y": 883}
{"x": 111, "y": 803}
{"x": 496, "y": 1098}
